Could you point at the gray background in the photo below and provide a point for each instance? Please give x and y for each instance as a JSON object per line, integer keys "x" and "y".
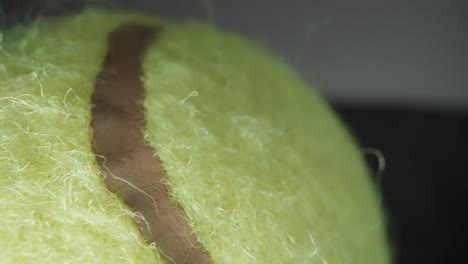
{"x": 407, "y": 54}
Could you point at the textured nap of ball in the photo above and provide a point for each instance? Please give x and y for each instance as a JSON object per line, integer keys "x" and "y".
{"x": 260, "y": 165}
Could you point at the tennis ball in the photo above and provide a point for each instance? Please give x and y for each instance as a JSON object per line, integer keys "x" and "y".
{"x": 132, "y": 139}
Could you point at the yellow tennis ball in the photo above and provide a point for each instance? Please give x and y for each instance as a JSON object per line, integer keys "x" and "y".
{"x": 131, "y": 139}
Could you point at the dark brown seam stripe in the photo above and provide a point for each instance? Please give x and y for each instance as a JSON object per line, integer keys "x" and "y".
{"x": 131, "y": 168}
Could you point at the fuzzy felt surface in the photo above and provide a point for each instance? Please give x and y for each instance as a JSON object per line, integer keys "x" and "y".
{"x": 263, "y": 169}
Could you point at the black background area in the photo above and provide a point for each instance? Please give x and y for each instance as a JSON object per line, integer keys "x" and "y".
{"x": 425, "y": 180}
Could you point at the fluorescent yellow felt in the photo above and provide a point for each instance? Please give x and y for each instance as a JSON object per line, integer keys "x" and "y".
{"x": 262, "y": 167}
{"x": 53, "y": 205}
